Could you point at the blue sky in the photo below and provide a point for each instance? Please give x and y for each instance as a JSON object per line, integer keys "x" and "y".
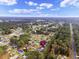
{"x": 39, "y": 8}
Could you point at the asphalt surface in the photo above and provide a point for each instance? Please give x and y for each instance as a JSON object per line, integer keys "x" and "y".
{"x": 72, "y": 41}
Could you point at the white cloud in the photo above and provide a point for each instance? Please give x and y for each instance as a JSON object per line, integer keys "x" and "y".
{"x": 22, "y": 11}
{"x": 39, "y": 8}
{"x": 27, "y": 12}
{"x": 40, "y": 14}
{"x": 8, "y": 2}
{"x": 46, "y": 5}
{"x": 64, "y": 3}
{"x": 55, "y": 9}
{"x": 30, "y": 3}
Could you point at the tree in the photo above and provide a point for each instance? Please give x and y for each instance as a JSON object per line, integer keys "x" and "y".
{"x": 2, "y": 49}
{"x": 33, "y": 55}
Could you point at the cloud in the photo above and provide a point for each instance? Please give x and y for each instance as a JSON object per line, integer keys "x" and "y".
{"x": 55, "y": 9}
{"x": 28, "y": 12}
{"x": 8, "y": 2}
{"x": 43, "y": 15}
{"x": 30, "y": 3}
{"x": 46, "y": 5}
{"x": 64, "y": 3}
{"x": 22, "y": 11}
{"x": 40, "y": 8}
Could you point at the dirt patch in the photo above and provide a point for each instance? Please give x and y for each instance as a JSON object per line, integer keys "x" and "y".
{"x": 4, "y": 56}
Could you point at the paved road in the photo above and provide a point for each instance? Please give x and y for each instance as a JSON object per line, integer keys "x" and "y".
{"x": 72, "y": 42}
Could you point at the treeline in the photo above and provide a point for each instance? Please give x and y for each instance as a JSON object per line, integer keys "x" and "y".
{"x": 5, "y": 27}
{"x": 59, "y": 44}
{"x": 2, "y": 49}
{"x": 76, "y": 37}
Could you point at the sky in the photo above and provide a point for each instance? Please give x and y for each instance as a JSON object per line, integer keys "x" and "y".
{"x": 39, "y": 8}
